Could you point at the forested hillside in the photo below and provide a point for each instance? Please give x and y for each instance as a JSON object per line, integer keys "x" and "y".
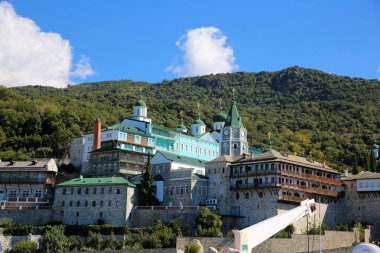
{"x": 308, "y": 112}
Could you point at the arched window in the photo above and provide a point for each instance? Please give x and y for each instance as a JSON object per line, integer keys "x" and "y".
{"x": 71, "y": 203}
{"x": 78, "y": 203}
{"x": 237, "y": 195}
{"x": 109, "y": 203}
{"x": 101, "y": 203}
{"x": 247, "y": 195}
{"x": 93, "y": 203}
{"x": 86, "y": 203}
{"x": 63, "y": 203}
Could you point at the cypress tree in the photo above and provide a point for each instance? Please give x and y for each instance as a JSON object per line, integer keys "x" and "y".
{"x": 147, "y": 197}
{"x": 367, "y": 164}
{"x": 355, "y": 165}
{"x": 372, "y": 161}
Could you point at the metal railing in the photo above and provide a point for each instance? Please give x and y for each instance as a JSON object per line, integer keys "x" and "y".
{"x": 172, "y": 207}
{"x": 291, "y": 198}
{"x": 310, "y": 189}
{"x": 20, "y": 180}
{"x": 251, "y": 186}
{"x": 253, "y": 173}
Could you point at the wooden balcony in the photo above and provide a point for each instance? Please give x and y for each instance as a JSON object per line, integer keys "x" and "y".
{"x": 20, "y": 180}
{"x": 251, "y": 186}
{"x": 254, "y": 173}
{"x": 288, "y": 198}
{"x": 309, "y": 177}
{"x": 308, "y": 189}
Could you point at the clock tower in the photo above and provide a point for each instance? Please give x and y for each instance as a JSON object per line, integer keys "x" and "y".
{"x": 234, "y": 134}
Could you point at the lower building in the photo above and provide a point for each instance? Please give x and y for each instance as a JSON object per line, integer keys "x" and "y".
{"x": 27, "y": 184}
{"x": 95, "y": 200}
{"x": 180, "y": 180}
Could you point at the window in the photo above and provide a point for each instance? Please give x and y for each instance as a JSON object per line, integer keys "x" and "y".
{"x": 176, "y": 190}
{"x": 102, "y": 191}
{"x": 205, "y": 190}
{"x": 63, "y": 203}
{"x": 71, "y": 203}
{"x": 118, "y": 191}
{"x": 101, "y": 203}
{"x": 93, "y": 203}
{"x": 171, "y": 190}
{"x": 38, "y": 194}
{"x": 200, "y": 190}
{"x": 62, "y": 213}
{"x": 195, "y": 190}
{"x": 110, "y": 190}
{"x": 101, "y": 214}
{"x": 64, "y": 191}
{"x": 87, "y": 190}
{"x": 72, "y": 191}
{"x": 186, "y": 189}
{"x": 94, "y": 191}
{"x": 182, "y": 189}
{"x": 77, "y": 214}
{"x": 237, "y": 196}
{"x": 109, "y": 203}
{"x": 247, "y": 195}
{"x": 86, "y": 203}
{"x": 78, "y": 203}
{"x": 79, "y": 191}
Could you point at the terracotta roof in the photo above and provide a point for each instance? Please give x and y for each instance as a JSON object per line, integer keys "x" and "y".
{"x": 225, "y": 158}
{"x": 362, "y": 175}
{"x": 286, "y": 157}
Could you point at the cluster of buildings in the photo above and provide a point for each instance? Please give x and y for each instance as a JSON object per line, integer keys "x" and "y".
{"x": 191, "y": 168}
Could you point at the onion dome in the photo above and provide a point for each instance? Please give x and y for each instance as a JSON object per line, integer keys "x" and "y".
{"x": 140, "y": 103}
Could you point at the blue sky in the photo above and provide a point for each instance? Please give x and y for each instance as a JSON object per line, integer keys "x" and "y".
{"x": 137, "y": 39}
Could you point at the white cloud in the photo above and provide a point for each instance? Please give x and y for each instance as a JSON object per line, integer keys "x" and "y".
{"x": 204, "y": 52}
{"x": 29, "y": 56}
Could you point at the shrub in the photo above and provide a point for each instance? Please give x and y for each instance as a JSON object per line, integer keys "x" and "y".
{"x": 111, "y": 242}
{"x": 192, "y": 247}
{"x": 24, "y": 246}
{"x": 176, "y": 227}
{"x": 55, "y": 240}
{"x": 94, "y": 240}
{"x": 75, "y": 243}
{"x": 208, "y": 223}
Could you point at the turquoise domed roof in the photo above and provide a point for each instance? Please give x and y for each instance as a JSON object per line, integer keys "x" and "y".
{"x": 181, "y": 128}
{"x": 200, "y": 122}
{"x": 220, "y": 117}
{"x": 140, "y": 103}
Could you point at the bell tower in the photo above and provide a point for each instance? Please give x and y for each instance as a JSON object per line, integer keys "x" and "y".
{"x": 234, "y": 135}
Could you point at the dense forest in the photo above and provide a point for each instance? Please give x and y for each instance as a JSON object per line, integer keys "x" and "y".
{"x": 307, "y": 112}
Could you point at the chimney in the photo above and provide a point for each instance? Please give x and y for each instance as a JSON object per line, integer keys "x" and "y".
{"x": 324, "y": 164}
{"x": 12, "y": 162}
{"x": 97, "y": 134}
{"x": 81, "y": 178}
{"x": 34, "y": 161}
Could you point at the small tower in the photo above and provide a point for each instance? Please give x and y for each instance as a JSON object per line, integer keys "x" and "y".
{"x": 234, "y": 135}
{"x": 140, "y": 111}
{"x": 182, "y": 128}
{"x": 198, "y": 127}
{"x": 219, "y": 120}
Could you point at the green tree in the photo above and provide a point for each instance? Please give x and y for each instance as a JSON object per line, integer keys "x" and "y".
{"x": 25, "y": 246}
{"x": 147, "y": 197}
{"x": 192, "y": 247}
{"x": 208, "y": 223}
{"x": 372, "y": 161}
{"x": 111, "y": 242}
{"x": 355, "y": 165}
{"x": 55, "y": 241}
{"x": 367, "y": 162}
{"x": 94, "y": 240}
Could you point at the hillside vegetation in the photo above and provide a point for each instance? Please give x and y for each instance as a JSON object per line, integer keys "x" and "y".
{"x": 308, "y": 112}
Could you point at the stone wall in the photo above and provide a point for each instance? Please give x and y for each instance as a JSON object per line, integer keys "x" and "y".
{"x": 28, "y": 216}
{"x": 8, "y": 242}
{"x": 331, "y": 241}
{"x": 147, "y": 217}
{"x": 93, "y": 203}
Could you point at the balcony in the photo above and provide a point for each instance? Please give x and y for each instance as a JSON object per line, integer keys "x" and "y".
{"x": 309, "y": 189}
{"x": 306, "y": 176}
{"x": 25, "y": 200}
{"x": 251, "y": 186}
{"x": 290, "y": 198}
{"x": 20, "y": 180}
{"x": 253, "y": 173}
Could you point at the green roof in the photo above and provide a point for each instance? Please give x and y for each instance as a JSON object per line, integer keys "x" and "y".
{"x": 182, "y": 127}
{"x": 140, "y": 103}
{"x": 255, "y": 150}
{"x": 220, "y": 117}
{"x": 93, "y": 181}
{"x": 182, "y": 159}
{"x": 200, "y": 122}
{"x": 233, "y": 118}
{"x": 128, "y": 129}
